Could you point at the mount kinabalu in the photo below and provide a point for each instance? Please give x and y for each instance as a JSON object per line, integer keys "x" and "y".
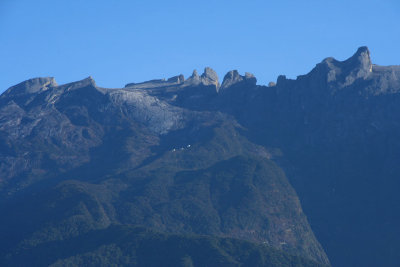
{"x": 81, "y": 164}
{"x": 78, "y": 158}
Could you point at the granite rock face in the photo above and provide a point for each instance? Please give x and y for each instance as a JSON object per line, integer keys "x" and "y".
{"x": 31, "y": 86}
{"x": 158, "y": 116}
{"x": 234, "y": 78}
{"x": 208, "y": 78}
{"x": 340, "y": 74}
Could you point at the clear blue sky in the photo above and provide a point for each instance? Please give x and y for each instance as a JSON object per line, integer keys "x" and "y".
{"x": 118, "y": 42}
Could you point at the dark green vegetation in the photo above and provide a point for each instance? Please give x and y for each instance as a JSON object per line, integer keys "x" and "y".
{"x": 191, "y": 172}
{"x": 137, "y": 246}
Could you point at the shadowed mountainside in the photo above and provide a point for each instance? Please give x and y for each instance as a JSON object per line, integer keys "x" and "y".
{"x": 79, "y": 158}
{"x": 137, "y": 246}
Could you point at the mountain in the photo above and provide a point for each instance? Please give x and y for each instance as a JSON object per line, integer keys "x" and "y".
{"x": 221, "y": 170}
{"x": 78, "y": 158}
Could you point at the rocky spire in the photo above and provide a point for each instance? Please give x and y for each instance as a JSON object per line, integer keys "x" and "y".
{"x": 209, "y": 77}
{"x": 361, "y": 60}
{"x": 195, "y": 74}
{"x": 230, "y": 78}
{"x": 359, "y": 66}
{"x": 233, "y": 77}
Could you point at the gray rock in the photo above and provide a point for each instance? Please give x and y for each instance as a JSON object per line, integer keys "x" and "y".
{"x": 158, "y": 83}
{"x": 31, "y": 86}
{"x": 89, "y": 81}
{"x": 157, "y": 115}
{"x": 194, "y": 74}
{"x": 177, "y": 79}
{"x": 233, "y": 78}
{"x": 208, "y": 78}
{"x": 341, "y": 74}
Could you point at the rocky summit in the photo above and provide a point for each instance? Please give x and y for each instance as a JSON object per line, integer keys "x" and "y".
{"x": 191, "y": 172}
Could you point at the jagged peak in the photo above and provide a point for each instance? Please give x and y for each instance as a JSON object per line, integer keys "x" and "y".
{"x": 233, "y": 77}
{"x": 249, "y": 75}
{"x": 194, "y": 74}
{"x": 342, "y": 73}
{"x": 210, "y": 74}
{"x": 231, "y": 74}
{"x": 363, "y": 50}
{"x": 31, "y": 86}
{"x": 194, "y": 79}
{"x": 361, "y": 59}
{"x": 89, "y": 81}
{"x": 209, "y": 77}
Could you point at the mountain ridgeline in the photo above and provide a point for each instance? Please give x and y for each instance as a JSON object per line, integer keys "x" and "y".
{"x": 194, "y": 172}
